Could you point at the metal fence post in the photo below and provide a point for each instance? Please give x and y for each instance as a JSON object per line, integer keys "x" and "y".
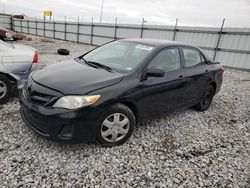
{"x": 54, "y": 28}
{"x": 21, "y": 23}
{"x": 175, "y": 29}
{"x": 92, "y": 29}
{"x": 65, "y": 28}
{"x": 142, "y": 27}
{"x": 115, "y": 31}
{"x": 78, "y": 29}
{"x": 218, "y": 41}
{"x": 36, "y": 25}
{"x": 11, "y": 23}
{"x": 28, "y": 26}
{"x": 44, "y": 27}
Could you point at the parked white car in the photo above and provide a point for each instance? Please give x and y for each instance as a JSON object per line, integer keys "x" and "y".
{"x": 16, "y": 63}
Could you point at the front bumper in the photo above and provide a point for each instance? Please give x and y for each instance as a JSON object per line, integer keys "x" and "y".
{"x": 61, "y": 125}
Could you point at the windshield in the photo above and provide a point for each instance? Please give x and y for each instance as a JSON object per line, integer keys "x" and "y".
{"x": 120, "y": 55}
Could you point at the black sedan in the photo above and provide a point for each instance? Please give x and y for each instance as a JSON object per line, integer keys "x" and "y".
{"x": 101, "y": 95}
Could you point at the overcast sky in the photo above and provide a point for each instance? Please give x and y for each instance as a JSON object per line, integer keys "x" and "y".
{"x": 189, "y": 12}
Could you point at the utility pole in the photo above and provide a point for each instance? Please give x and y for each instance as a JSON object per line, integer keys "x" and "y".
{"x": 101, "y": 11}
{"x": 3, "y": 6}
{"x": 82, "y": 16}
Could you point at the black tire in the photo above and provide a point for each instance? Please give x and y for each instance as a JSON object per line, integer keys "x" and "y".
{"x": 63, "y": 51}
{"x": 5, "y": 81}
{"x": 206, "y": 100}
{"x": 115, "y": 109}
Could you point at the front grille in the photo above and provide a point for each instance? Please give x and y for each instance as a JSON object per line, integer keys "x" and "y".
{"x": 37, "y": 97}
{"x": 38, "y": 94}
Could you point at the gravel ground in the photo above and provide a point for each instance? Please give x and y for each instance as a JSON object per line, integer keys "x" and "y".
{"x": 184, "y": 149}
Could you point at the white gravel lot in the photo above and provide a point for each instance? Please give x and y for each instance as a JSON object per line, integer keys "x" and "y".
{"x": 184, "y": 149}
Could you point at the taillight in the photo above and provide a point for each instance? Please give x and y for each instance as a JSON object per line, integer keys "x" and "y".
{"x": 222, "y": 70}
{"x": 35, "y": 58}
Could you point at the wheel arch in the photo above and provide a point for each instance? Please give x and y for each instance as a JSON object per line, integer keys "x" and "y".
{"x": 213, "y": 83}
{"x": 13, "y": 79}
{"x": 132, "y": 106}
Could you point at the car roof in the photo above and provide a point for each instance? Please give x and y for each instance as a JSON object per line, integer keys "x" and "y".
{"x": 157, "y": 42}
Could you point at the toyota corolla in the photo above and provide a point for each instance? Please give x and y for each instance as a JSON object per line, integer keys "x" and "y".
{"x": 101, "y": 95}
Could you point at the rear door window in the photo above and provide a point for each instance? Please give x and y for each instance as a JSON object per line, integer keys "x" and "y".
{"x": 192, "y": 57}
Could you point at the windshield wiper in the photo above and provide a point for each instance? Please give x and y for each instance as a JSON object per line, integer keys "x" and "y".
{"x": 97, "y": 65}
{"x": 101, "y": 65}
{"x": 87, "y": 62}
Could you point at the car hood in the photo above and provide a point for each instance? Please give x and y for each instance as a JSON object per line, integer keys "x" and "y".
{"x": 73, "y": 78}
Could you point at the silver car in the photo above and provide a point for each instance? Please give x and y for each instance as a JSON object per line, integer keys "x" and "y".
{"x": 16, "y": 63}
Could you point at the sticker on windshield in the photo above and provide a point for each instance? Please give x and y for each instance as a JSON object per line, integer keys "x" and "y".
{"x": 144, "y": 47}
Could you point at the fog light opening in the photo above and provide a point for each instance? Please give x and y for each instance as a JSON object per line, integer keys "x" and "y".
{"x": 66, "y": 132}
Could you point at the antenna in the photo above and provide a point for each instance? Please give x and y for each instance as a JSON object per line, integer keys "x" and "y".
{"x": 101, "y": 11}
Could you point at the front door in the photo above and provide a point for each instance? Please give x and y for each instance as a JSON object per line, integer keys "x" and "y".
{"x": 164, "y": 94}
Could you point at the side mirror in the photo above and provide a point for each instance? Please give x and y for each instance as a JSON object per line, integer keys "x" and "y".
{"x": 155, "y": 72}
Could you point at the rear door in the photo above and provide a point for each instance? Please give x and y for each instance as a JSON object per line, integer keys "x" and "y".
{"x": 196, "y": 74}
{"x": 164, "y": 94}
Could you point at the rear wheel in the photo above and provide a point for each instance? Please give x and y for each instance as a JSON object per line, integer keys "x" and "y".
{"x": 5, "y": 89}
{"x": 206, "y": 100}
{"x": 116, "y": 126}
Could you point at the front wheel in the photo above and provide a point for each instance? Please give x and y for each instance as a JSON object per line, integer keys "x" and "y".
{"x": 116, "y": 126}
{"x": 5, "y": 89}
{"x": 206, "y": 100}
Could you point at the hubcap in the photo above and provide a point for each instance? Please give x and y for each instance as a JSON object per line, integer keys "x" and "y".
{"x": 115, "y": 127}
{"x": 3, "y": 89}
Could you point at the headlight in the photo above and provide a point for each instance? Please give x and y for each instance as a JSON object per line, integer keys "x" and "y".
{"x": 8, "y": 35}
{"x": 73, "y": 102}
